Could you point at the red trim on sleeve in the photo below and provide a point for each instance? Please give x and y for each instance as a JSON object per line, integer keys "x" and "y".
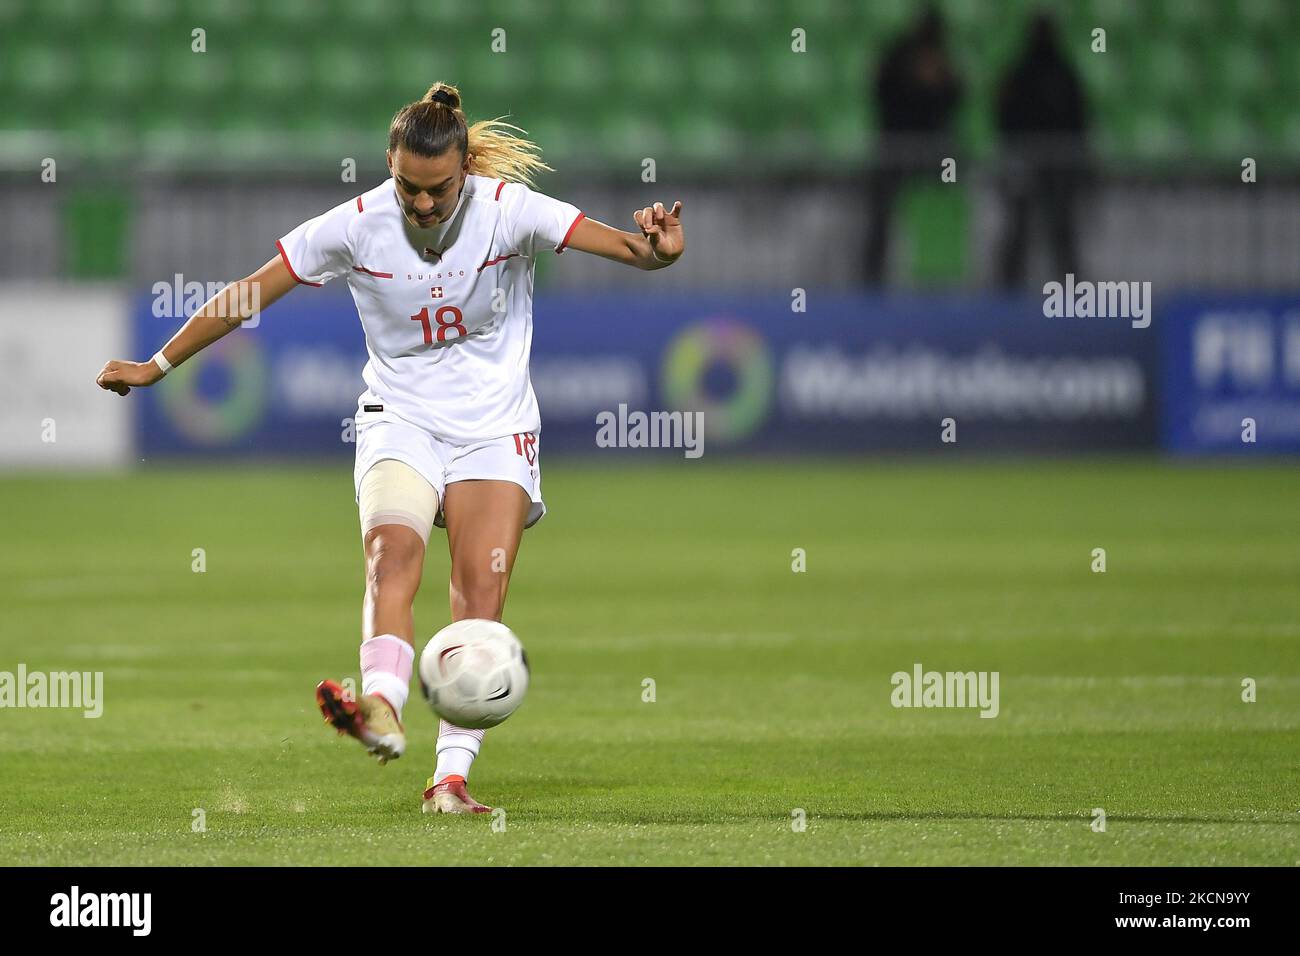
{"x": 500, "y": 186}
{"x": 359, "y": 209}
{"x": 377, "y": 275}
{"x": 565, "y": 241}
{"x": 288, "y": 265}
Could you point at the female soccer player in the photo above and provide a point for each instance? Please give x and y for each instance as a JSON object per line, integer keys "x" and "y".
{"x": 439, "y": 259}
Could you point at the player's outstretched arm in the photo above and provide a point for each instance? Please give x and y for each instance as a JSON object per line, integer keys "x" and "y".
{"x": 660, "y": 243}
{"x": 219, "y": 315}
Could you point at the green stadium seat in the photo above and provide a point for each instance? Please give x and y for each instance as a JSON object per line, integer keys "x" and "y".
{"x": 44, "y": 71}
{"x": 1188, "y": 17}
{"x": 704, "y": 138}
{"x": 1259, "y": 15}
{"x": 58, "y": 15}
{"x": 342, "y": 73}
{"x": 718, "y": 73}
{"x": 572, "y": 71}
{"x": 973, "y": 18}
{"x": 852, "y": 70}
{"x": 742, "y": 15}
{"x": 646, "y": 75}
{"x": 1120, "y": 15}
{"x": 13, "y": 16}
{"x": 1236, "y": 69}
{"x": 122, "y": 70}
{"x": 801, "y": 77}
{"x": 1105, "y": 77}
{"x": 674, "y": 20}
{"x": 236, "y": 116}
{"x": 497, "y": 83}
{"x": 446, "y": 24}
{"x": 1075, "y": 22}
{"x": 405, "y": 71}
{"x": 227, "y": 17}
{"x": 823, "y": 21}
{"x": 886, "y": 19}
{"x": 588, "y": 17}
{"x": 169, "y": 135}
{"x": 299, "y": 17}
{"x": 364, "y": 18}
{"x": 626, "y": 138}
{"x": 131, "y": 15}
{"x": 742, "y": 25}
{"x": 1220, "y": 130}
{"x": 190, "y": 76}
{"x": 1170, "y": 73}
{"x": 274, "y": 75}
{"x": 538, "y": 16}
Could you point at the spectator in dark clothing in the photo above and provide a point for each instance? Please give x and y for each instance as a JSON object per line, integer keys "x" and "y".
{"x": 916, "y": 93}
{"x": 1042, "y": 120}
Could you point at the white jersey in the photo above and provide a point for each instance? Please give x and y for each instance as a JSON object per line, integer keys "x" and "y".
{"x": 441, "y": 357}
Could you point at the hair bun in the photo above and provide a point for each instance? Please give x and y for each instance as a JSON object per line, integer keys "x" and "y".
{"x": 445, "y": 97}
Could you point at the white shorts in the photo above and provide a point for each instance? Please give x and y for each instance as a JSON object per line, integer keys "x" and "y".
{"x": 440, "y": 463}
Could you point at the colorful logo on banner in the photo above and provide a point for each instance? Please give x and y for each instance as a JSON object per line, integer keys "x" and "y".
{"x": 216, "y": 419}
{"x": 738, "y": 351}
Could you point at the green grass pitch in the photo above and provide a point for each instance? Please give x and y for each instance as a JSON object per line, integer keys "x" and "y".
{"x": 1120, "y": 690}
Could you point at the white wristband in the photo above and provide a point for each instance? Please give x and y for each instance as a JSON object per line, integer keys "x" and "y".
{"x": 161, "y": 361}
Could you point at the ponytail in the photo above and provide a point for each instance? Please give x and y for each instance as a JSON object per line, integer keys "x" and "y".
{"x": 436, "y": 123}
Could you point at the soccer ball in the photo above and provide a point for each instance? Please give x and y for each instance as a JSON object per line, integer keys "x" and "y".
{"x": 474, "y": 673}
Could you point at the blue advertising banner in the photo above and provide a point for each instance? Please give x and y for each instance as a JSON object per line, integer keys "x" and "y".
{"x": 1231, "y": 374}
{"x": 847, "y": 374}
{"x": 286, "y": 386}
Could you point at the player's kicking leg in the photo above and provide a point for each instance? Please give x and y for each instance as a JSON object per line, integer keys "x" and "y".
{"x": 397, "y": 509}
{"x": 485, "y": 522}
{"x": 370, "y": 718}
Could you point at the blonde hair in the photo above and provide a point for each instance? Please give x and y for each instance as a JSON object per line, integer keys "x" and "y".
{"x": 436, "y": 123}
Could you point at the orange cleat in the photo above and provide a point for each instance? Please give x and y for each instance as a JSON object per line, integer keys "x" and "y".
{"x": 369, "y": 718}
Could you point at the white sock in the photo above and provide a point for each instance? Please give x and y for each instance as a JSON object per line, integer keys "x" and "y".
{"x": 457, "y": 748}
{"x": 386, "y": 662}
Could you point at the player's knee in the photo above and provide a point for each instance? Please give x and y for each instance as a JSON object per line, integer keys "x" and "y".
{"x": 393, "y": 562}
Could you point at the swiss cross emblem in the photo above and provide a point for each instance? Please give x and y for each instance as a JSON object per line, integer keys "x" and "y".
{"x": 436, "y": 292}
